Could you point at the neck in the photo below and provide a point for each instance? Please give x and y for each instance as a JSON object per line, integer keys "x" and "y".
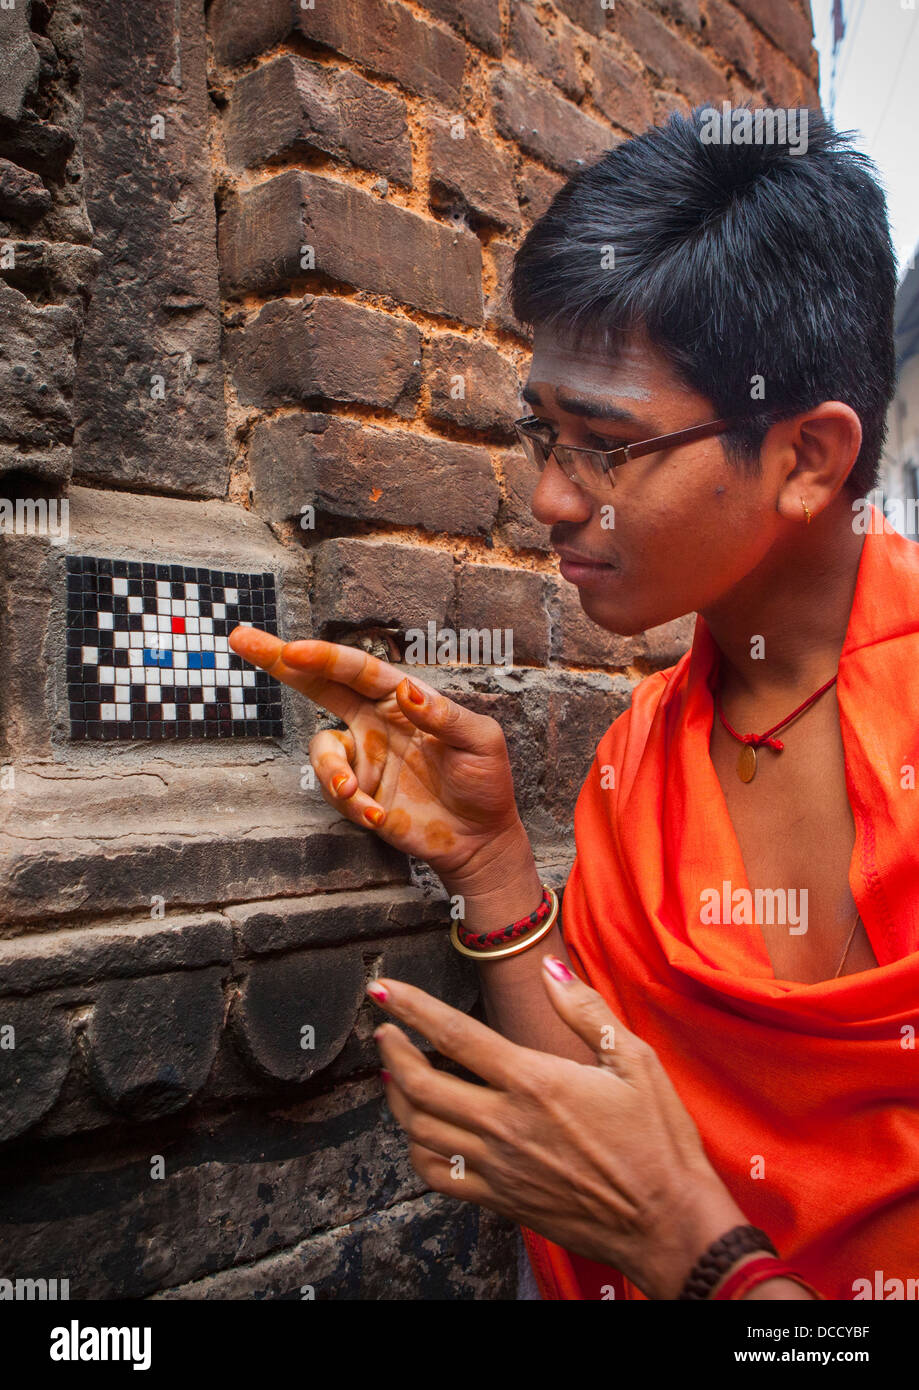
{"x": 798, "y": 601}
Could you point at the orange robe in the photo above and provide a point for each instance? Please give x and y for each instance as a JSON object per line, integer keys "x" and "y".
{"x": 819, "y": 1081}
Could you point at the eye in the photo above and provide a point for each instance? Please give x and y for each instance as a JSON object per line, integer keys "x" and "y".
{"x": 602, "y": 441}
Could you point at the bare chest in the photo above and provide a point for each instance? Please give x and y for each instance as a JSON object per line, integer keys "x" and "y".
{"x": 796, "y": 835}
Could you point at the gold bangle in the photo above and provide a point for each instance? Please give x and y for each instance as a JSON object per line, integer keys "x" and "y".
{"x": 516, "y": 946}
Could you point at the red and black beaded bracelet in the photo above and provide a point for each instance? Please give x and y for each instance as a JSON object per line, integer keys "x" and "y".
{"x": 483, "y": 941}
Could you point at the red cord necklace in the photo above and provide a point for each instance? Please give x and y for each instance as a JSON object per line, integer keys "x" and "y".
{"x": 746, "y": 762}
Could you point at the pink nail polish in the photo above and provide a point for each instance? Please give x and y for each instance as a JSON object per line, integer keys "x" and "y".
{"x": 376, "y": 991}
{"x": 557, "y": 969}
{"x": 385, "y": 1074}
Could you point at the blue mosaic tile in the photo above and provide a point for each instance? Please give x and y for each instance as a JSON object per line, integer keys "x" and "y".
{"x": 148, "y": 657}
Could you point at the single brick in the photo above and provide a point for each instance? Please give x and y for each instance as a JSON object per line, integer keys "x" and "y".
{"x": 686, "y": 11}
{"x": 668, "y": 54}
{"x": 23, "y": 195}
{"x": 496, "y": 596}
{"x": 518, "y": 527}
{"x": 546, "y": 125}
{"x": 326, "y": 346}
{"x": 361, "y": 582}
{"x": 382, "y": 35}
{"x": 577, "y": 718}
{"x": 783, "y": 22}
{"x": 577, "y": 641}
{"x": 665, "y": 645}
{"x": 549, "y": 51}
{"x": 731, "y": 36}
{"x": 346, "y": 468}
{"x": 619, "y": 91}
{"x": 355, "y": 238}
{"x": 478, "y": 20}
{"x": 467, "y": 171}
{"x": 536, "y": 188}
{"x": 497, "y": 308}
{"x": 290, "y": 106}
{"x": 471, "y": 384}
{"x": 782, "y": 82}
{"x": 596, "y": 16}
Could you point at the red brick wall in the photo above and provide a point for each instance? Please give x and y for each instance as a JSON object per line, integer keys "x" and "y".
{"x": 410, "y": 145}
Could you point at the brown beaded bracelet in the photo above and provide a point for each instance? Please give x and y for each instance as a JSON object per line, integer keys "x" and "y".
{"x": 719, "y": 1257}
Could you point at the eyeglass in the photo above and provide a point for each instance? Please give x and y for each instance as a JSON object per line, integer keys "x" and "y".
{"x": 592, "y": 469}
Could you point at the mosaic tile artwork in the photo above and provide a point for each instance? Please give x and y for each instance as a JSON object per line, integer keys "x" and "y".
{"x": 148, "y": 657}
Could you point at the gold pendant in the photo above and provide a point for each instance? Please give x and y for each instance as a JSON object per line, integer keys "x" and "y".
{"x": 746, "y": 763}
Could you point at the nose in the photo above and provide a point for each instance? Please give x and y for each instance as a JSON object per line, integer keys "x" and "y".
{"x": 556, "y": 498}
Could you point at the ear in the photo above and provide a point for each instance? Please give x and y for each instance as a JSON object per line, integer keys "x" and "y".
{"x": 814, "y": 453}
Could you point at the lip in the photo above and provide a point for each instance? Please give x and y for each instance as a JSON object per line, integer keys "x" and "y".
{"x": 582, "y": 569}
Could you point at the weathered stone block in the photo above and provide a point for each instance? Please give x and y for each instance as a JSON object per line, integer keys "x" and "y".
{"x": 546, "y": 125}
{"x": 382, "y": 35}
{"x": 496, "y": 596}
{"x": 349, "y": 469}
{"x": 470, "y": 384}
{"x": 19, "y": 60}
{"x": 233, "y": 1189}
{"x": 152, "y": 1041}
{"x": 49, "y": 960}
{"x": 289, "y": 106}
{"x": 478, "y": 20}
{"x": 268, "y": 233}
{"x": 36, "y": 377}
{"x": 517, "y": 524}
{"x": 149, "y": 405}
{"x": 468, "y": 175}
{"x": 497, "y": 309}
{"x": 293, "y": 1013}
{"x": 432, "y": 1247}
{"x": 329, "y": 919}
{"x": 619, "y": 91}
{"x": 668, "y": 54}
{"x": 23, "y": 195}
{"x": 362, "y": 582}
{"x": 785, "y": 24}
{"x": 548, "y": 51}
{"x": 323, "y": 346}
{"x": 34, "y": 1059}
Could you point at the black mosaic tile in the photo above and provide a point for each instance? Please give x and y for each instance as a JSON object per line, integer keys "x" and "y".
{"x": 147, "y": 653}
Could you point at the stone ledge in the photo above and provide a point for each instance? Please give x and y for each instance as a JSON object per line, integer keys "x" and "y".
{"x": 429, "y": 1247}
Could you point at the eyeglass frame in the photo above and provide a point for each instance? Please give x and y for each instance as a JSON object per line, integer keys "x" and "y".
{"x": 615, "y": 458}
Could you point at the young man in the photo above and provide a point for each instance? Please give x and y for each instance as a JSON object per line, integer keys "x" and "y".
{"x": 739, "y": 1049}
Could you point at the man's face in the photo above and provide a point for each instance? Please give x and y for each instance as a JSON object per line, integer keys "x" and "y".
{"x": 687, "y": 526}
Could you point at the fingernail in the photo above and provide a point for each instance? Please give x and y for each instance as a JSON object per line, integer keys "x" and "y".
{"x": 557, "y": 969}
{"x": 377, "y": 991}
{"x": 385, "y": 1074}
{"x": 375, "y": 815}
{"x": 339, "y": 781}
{"x": 414, "y": 694}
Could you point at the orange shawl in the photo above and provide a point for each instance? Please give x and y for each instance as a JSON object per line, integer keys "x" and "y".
{"x": 821, "y": 1080}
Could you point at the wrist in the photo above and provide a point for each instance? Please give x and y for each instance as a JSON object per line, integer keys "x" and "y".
{"x": 500, "y": 884}
{"x": 707, "y": 1212}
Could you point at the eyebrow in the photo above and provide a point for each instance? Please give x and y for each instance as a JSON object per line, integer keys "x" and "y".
{"x": 591, "y": 406}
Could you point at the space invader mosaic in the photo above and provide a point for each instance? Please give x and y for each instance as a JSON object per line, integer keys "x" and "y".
{"x": 148, "y": 657}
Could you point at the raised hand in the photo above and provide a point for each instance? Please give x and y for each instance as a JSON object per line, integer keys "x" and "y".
{"x": 428, "y": 775}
